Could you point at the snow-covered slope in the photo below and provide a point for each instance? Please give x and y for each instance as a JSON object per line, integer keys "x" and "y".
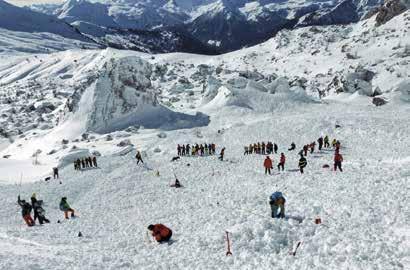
{"x": 60, "y": 106}
{"x": 23, "y": 20}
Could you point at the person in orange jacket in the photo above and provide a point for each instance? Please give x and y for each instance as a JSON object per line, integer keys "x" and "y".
{"x": 160, "y": 232}
{"x": 282, "y": 162}
{"x": 268, "y": 165}
{"x": 338, "y": 161}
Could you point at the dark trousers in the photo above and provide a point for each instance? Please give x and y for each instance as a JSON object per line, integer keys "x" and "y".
{"x": 281, "y": 165}
{"x": 138, "y": 161}
{"x": 301, "y": 169}
{"x": 55, "y": 175}
{"x": 267, "y": 170}
{"x": 320, "y": 146}
{"x": 338, "y": 164}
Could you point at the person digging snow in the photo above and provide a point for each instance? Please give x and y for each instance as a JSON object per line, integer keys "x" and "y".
{"x": 268, "y": 165}
{"x": 39, "y": 212}
{"x": 292, "y": 147}
{"x": 277, "y": 202}
{"x": 65, "y": 207}
{"x": 26, "y": 211}
{"x": 160, "y": 232}
{"x": 302, "y": 163}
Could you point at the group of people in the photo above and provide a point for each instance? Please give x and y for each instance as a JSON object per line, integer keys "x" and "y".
{"x": 268, "y": 163}
{"x": 261, "y": 148}
{"x": 196, "y": 149}
{"x": 39, "y": 212}
{"x": 87, "y": 162}
{"x": 269, "y": 148}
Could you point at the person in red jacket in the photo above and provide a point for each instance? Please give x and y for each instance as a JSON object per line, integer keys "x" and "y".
{"x": 268, "y": 165}
{"x": 160, "y": 232}
{"x": 282, "y": 162}
{"x": 338, "y": 161}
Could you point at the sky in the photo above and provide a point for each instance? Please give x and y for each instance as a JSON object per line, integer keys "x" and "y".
{"x": 29, "y": 2}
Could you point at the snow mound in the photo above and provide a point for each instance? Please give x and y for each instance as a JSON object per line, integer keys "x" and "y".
{"x": 73, "y": 155}
{"x": 122, "y": 96}
{"x": 255, "y": 96}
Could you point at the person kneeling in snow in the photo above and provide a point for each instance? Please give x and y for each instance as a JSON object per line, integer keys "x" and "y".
{"x": 160, "y": 232}
{"x": 277, "y": 201}
{"x": 26, "y": 211}
{"x": 65, "y": 207}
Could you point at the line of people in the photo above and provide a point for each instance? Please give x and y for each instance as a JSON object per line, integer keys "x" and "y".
{"x": 196, "y": 149}
{"x": 261, "y": 148}
{"x": 87, "y": 162}
{"x": 39, "y": 213}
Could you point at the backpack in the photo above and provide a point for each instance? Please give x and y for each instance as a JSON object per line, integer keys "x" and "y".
{"x": 276, "y": 195}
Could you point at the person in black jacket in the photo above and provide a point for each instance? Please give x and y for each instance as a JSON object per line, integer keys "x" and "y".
{"x": 38, "y": 210}
{"x": 26, "y": 211}
{"x": 292, "y": 147}
{"x": 302, "y": 163}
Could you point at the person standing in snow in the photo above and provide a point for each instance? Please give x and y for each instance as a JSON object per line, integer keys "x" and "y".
{"x": 160, "y": 232}
{"x": 95, "y": 161}
{"x": 320, "y": 142}
{"x": 65, "y": 207}
{"x": 139, "y": 157}
{"x": 305, "y": 149}
{"x": 222, "y": 154}
{"x": 334, "y": 143}
{"x": 55, "y": 173}
{"x": 282, "y": 162}
{"x": 26, "y": 211}
{"x": 302, "y": 163}
{"x": 277, "y": 202}
{"x": 275, "y": 148}
{"x": 39, "y": 212}
{"x": 338, "y": 161}
{"x": 312, "y": 147}
{"x": 326, "y": 140}
{"x": 187, "y": 149}
{"x": 292, "y": 146}
{"x": 268, "y": 165}
{"x": 179, "y": 150}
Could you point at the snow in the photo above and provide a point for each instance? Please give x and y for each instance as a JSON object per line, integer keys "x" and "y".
{"x": 221, "y": 99}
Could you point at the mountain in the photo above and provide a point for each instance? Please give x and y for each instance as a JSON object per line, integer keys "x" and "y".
{"x": 13, "y": 18}
{"x": 225, "y": 25}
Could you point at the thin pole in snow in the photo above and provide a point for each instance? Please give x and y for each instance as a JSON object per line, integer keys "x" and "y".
{"x": 228, "y": 253}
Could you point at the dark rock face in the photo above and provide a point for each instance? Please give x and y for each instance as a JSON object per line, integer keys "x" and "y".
{"x": 344, "y": 13}
{"x": 389, "y": 10}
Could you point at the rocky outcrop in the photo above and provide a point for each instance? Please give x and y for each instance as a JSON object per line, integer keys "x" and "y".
{"x": 344, "y": 13}
{"x": 358, "y": 81}
{"x": 389, "y": 10}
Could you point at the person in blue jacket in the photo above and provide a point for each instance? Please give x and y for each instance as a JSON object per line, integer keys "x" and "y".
{"x": 277, "y": 204}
